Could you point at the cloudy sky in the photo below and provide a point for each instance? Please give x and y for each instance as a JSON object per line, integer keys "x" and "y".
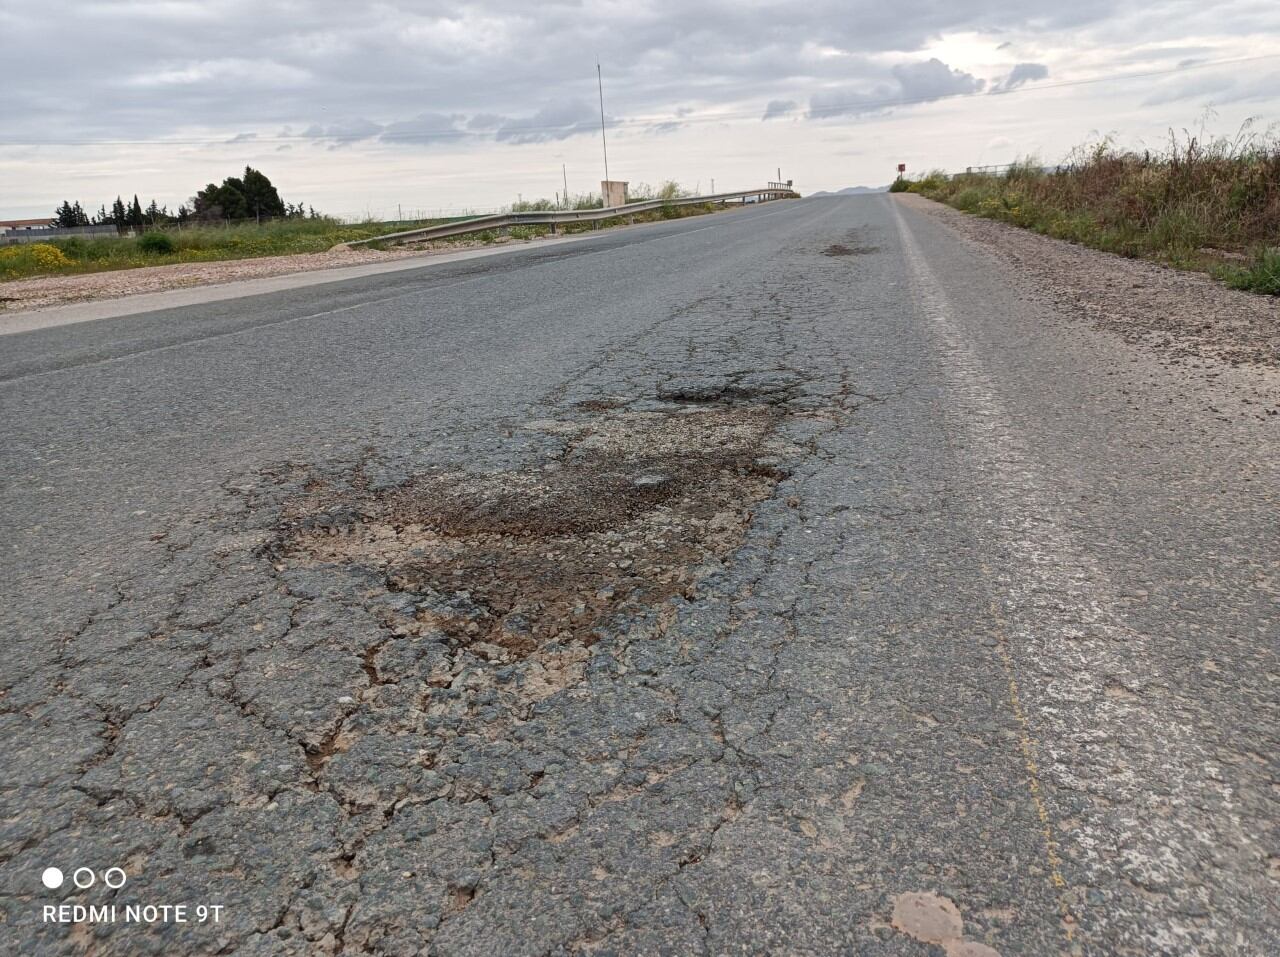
{"x": 356, "y": 107}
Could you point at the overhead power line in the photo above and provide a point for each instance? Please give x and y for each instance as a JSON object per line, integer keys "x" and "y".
{"x": 518, "y": 130}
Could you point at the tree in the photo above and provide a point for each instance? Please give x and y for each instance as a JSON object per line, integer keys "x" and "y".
{"x": 135, "y": 213}
{"x": 103, "y": 216}
{"x": 119, "y": 214}
{"x": 221, "y": 202}
{"x": 65, "y": 215}
{"x": 261, "y": 198}
{"x": 81, "y": 217}
{"x": 252, "y": 197}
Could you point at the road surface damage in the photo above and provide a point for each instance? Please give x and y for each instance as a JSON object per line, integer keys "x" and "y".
{"x": 492, "y": 585}
{"x": 508, "y": 562}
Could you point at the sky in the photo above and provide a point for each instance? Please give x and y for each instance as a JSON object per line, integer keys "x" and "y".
{"x": 408, "y": 107}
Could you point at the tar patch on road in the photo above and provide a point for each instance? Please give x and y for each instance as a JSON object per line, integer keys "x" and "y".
{"x": 840, "y": 249}
{"x": 632, "y": 509}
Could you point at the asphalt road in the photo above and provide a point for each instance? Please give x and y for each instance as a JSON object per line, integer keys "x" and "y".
{"x": 783, "y": 581}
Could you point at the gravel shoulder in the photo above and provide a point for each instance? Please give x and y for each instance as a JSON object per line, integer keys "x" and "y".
{"x": 21, "y": 295}
{"x": 1186, "y": 316}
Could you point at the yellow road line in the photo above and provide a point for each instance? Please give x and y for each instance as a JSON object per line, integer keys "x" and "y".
{"x": 1033, "y": 770}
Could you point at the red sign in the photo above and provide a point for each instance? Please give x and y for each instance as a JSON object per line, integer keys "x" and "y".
{"x": 902, "y": 167}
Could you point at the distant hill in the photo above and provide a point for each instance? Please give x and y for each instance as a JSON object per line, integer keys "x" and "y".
{"x": 853, "y": 191}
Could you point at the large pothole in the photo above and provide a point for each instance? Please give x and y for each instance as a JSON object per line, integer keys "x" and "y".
{"x": 631, "y": 510}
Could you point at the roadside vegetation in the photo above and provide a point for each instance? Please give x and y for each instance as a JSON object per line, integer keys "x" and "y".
{"x": 80, "y": 254}
{"x": 1206, "y": 204}
{"x": 170, "y": 240}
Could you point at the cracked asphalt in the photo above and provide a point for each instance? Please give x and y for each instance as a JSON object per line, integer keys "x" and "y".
{"x": 788, "y": 581}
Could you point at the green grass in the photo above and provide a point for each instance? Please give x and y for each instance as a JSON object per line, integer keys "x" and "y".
{"x": 1197, "y": 204}
{"x": 1262, "y": 276}
{"x": 197, "y": 244}
{"x": 281, "y": 238}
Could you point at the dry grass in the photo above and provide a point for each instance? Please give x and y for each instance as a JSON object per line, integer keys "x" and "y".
{"x": 1207, "y": 204}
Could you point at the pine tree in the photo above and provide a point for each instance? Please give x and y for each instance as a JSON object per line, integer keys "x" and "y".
{"x": 103, "y": 216}
{"x": 78, "y": 212}
{"x": 64, "y": 216}
{"x": 261, "y": 198}
{"x": 135, "y": 213}
{"x": 119, "y": 214}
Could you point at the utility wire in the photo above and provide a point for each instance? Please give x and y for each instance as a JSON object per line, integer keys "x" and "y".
{"x": 517, "y": 131}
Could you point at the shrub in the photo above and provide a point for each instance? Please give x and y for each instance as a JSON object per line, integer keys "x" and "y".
{"x": 527, "y": 232}
{"x": 899, "y": 185}
{"x": 968, "y": 199}
{"x": 31, "y": 259}
{"x": 157, "y": 244}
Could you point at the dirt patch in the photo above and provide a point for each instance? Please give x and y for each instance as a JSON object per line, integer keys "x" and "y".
{"x": 840, "y": 249}
{"x": 631, "y": 511}
{"x": 934, "y": 919}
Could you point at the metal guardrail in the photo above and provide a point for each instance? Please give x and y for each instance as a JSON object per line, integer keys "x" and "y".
{"x": 555, "y": 217}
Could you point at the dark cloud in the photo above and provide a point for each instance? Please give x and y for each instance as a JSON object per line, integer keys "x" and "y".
{"x": 549, "y": 123}
{"x": 343, "y": 133}
{"x": 776, "y": 108}
{"x": 933, "y": 79}
{"x": 424, "y": 127}
{"x": 1020, "y": 74}
{"x": 911, "y": 83}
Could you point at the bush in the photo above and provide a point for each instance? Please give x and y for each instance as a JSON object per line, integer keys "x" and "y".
{"x": 527, "y": 232}
{"x": 899, "y": 185}
{"x": 157, "y": 244}
{"x": 968, "y": 199}
{"x": 31, "y": 259}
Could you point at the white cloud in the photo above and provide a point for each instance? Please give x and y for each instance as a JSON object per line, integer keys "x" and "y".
{"x": 226, "y": 72}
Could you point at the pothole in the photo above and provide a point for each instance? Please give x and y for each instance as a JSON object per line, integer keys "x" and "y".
{"x": 634, "y": 508}
{"x": 841, "y": 249}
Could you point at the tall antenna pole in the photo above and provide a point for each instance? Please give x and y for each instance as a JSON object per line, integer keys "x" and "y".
{"x": 603, "y": 144}
{"x": 565, "y": 173}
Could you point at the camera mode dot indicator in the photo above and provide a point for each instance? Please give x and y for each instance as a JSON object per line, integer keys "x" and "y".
{"x": 51, "y": 878}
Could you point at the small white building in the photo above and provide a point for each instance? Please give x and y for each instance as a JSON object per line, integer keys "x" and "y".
{"x": 18, "y": 225}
